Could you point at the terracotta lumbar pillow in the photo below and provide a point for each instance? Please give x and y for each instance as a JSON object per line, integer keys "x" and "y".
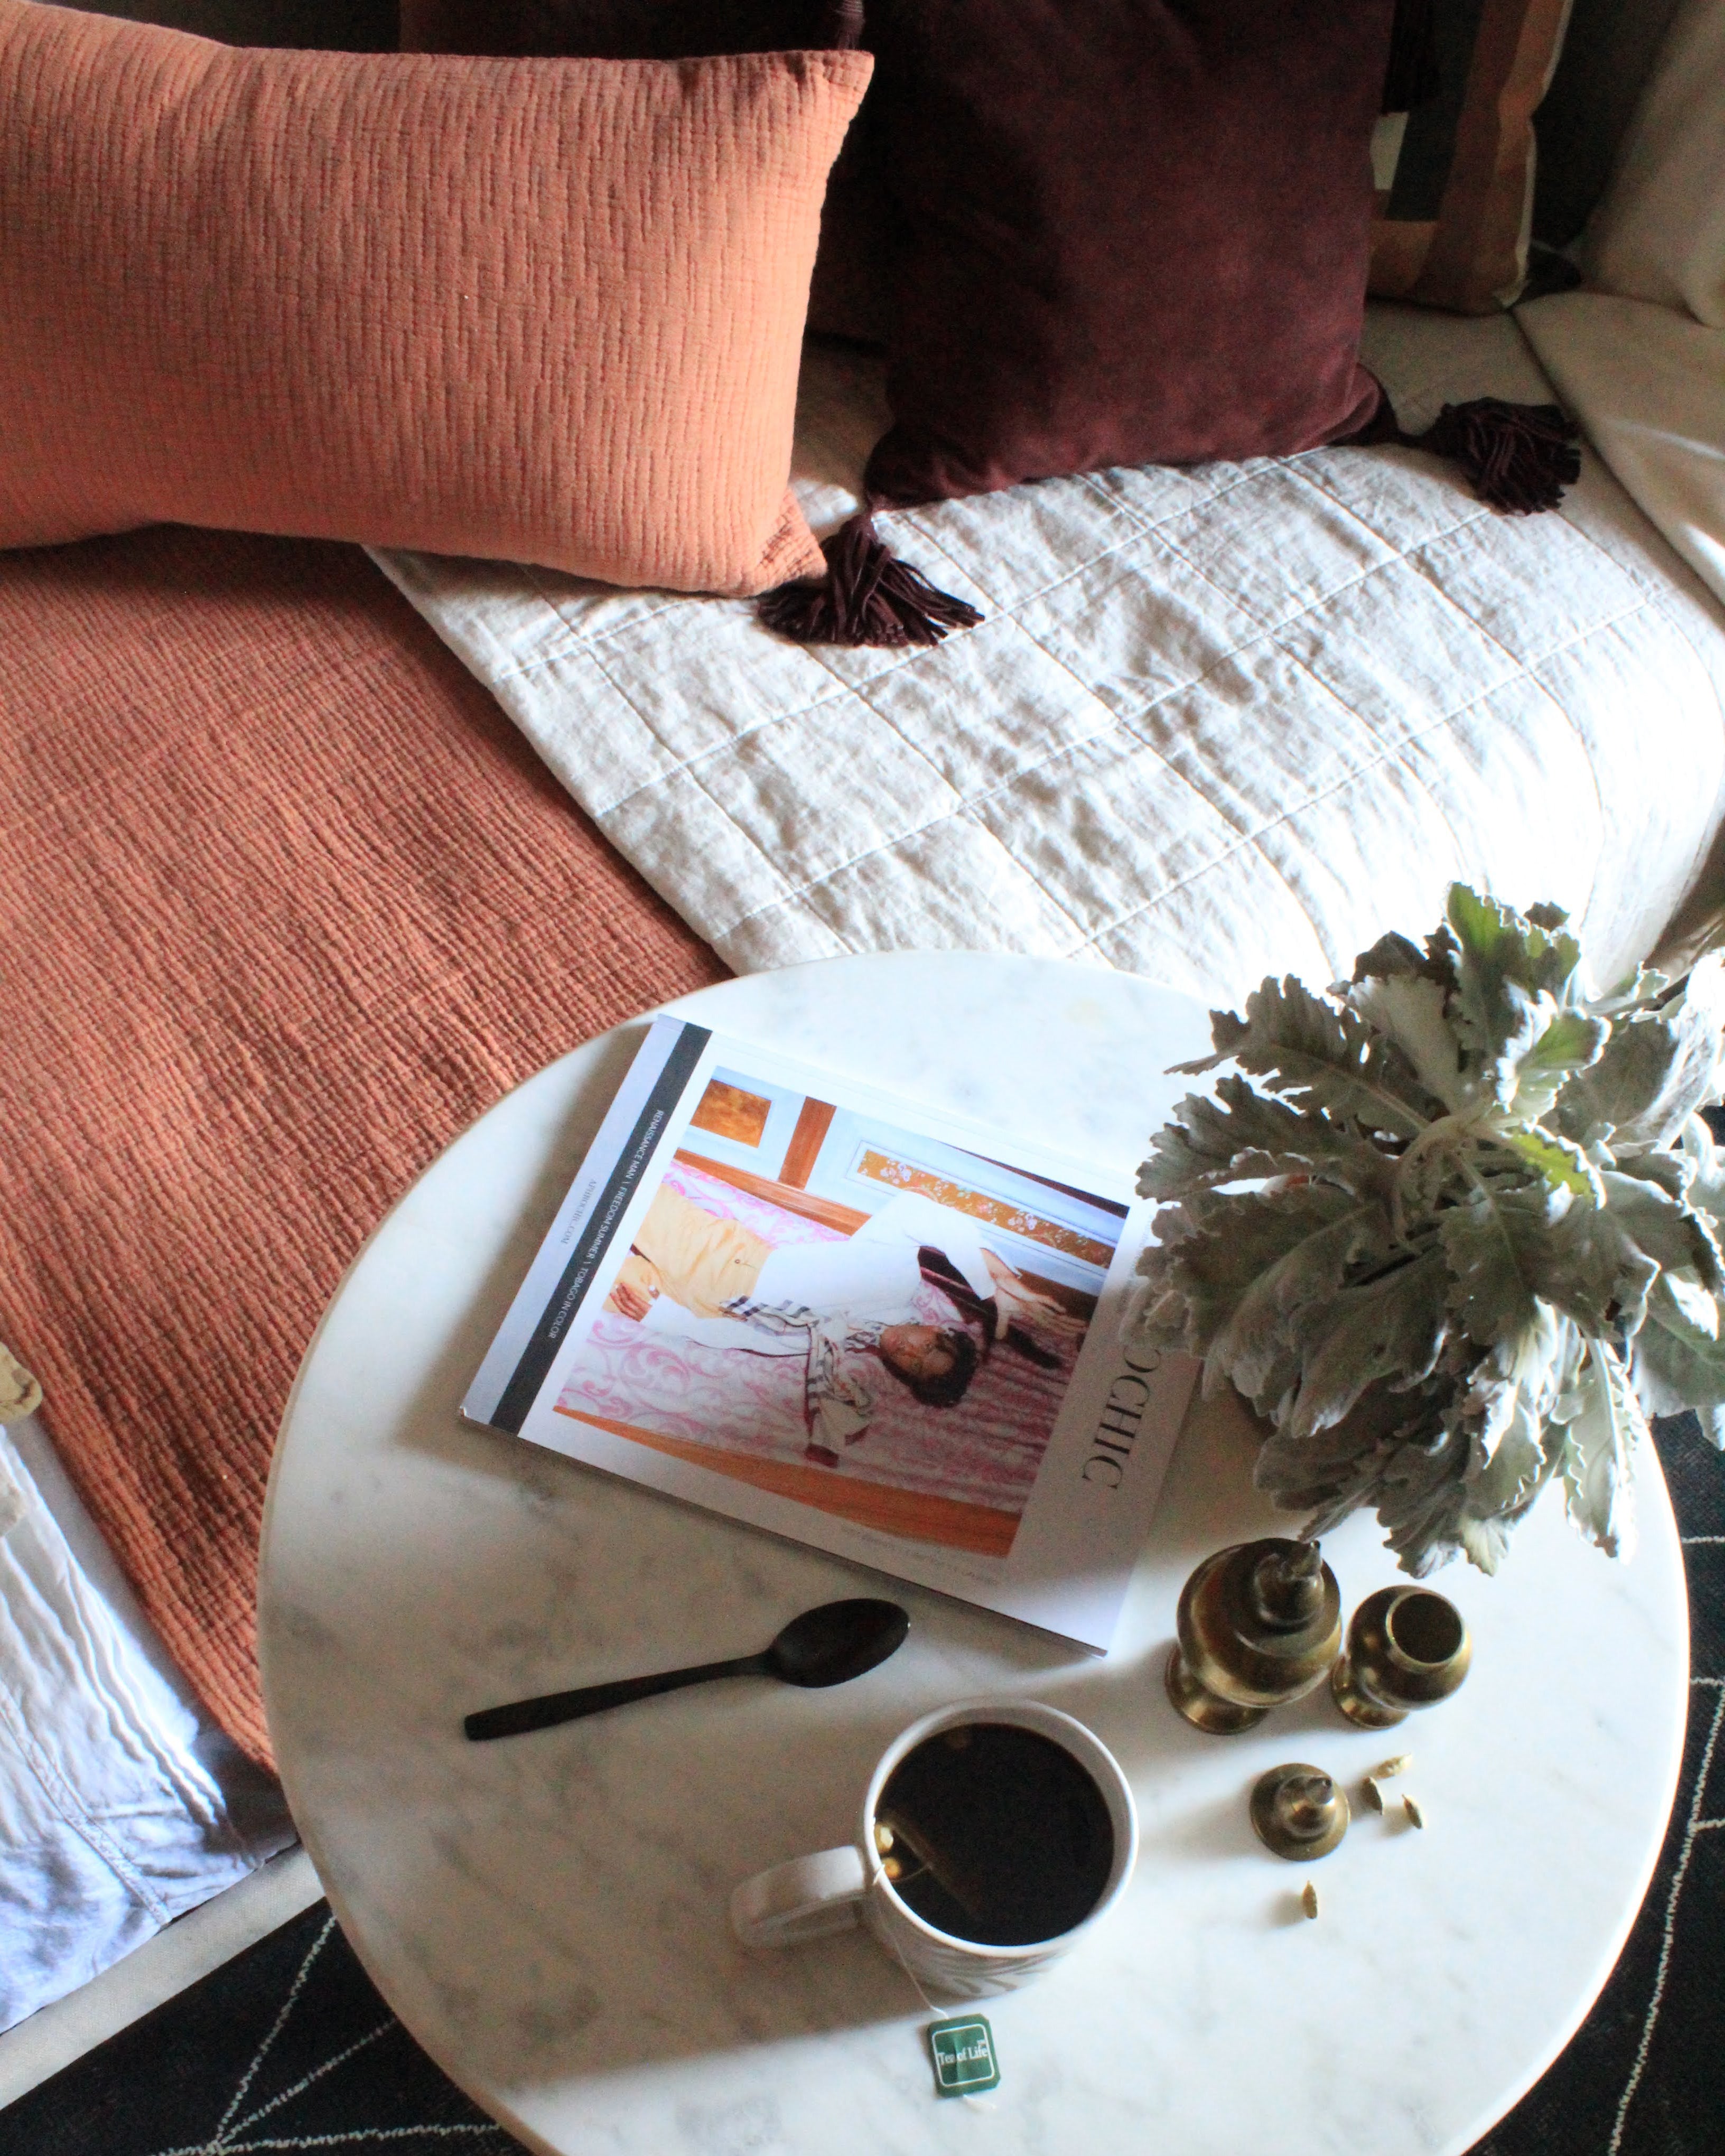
{"x": 546, "y": 312}
{"x": 851, "y": 293}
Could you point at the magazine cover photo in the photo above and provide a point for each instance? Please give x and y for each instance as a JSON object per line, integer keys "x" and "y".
{"x": 848, "y": 1314}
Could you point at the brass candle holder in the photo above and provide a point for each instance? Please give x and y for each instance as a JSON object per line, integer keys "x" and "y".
{"x": 1259, "y": 1624}
{"x": 1298, "y": 1812}
{"x": 1407, "y": 1647}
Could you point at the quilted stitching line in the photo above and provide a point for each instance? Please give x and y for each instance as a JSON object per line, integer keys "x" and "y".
{"x": 806, "y": 892}
{"x": 972, "y": 805}
{"x": 1658, "y": 601}
{"x": 603, "y": 817}
{"x": 747, "y": 733}
{"x": 577, "y": 639}
{"x": 1145, "y": 527}
{"x": 687, "y": 765}
{"x": 798, "y": 895}
{"x": 1391, "y": 751}
{"x": 1417, "y": 559}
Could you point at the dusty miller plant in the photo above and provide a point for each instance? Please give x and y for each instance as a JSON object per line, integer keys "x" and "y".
{"x": 1462, "y": 1236}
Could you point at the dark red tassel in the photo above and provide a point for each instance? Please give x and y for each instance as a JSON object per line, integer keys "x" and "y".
{"x": 1412, "y": 78}
{"x": 867, "y": 597}
{"x": 1520, "y": 457}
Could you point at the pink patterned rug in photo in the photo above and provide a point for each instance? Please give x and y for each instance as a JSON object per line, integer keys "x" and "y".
{"x": 960, "y": 1476}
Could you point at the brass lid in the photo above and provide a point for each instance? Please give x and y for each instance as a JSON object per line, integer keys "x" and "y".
{"x": 1299, "y": 1812}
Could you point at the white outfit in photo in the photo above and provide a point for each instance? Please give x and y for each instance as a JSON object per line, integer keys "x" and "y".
{"x": 820, "y": 1300}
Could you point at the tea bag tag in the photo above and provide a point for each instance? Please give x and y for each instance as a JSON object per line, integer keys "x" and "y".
{"x": 964, "y": 2054}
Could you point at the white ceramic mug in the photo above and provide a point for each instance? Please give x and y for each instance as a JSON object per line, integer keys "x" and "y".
{"x": 813, "y": 1895}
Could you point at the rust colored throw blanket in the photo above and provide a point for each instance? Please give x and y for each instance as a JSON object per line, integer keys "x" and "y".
{"x": 284, "y": 903}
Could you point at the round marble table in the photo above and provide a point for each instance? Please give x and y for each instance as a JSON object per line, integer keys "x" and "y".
{"x": 548, "y": 1915}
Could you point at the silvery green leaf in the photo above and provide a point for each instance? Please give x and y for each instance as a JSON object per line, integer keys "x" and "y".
{"x": 1655, "y": 1071}
{"x": 1569, "y": 1042}
{"x": 1594, "y": 1272}
{"x": 1231, "y": 1246}
{"x": 1336, "y": 1469}
{"x": 1485, "y": 1541}
{"x": 1531, "y": 1373}
{"x": 1320, "y": 1057}
{"x": 1664, "y": 1228}
{"x": 1506, "y": 962}
{"x": 1338, "y": 1231}
{"x": 1673, "y": 1172}
{"x": 1704, "y": 1166}
{"x": 1515, "y": 1473}
{"x": 1678, "y": 1357}
{"x": 1393, "y": 957}
{"x": 1155, "y": 1316}
{"x": 1599, "y": 1453}
{"x": 1242, "y": 1136}
{"x": 1699, "y": 1306}
{"x": 1542, "y": 1043}
{"x": 1640, "y": 990}
{"x": 1420, "y": 1496}
{"x": 1629, "y": 1076}
{"x": 1506, "y": 1248}
{"x": 1558, "y": 1162}
{"x": 1392, "y": 1328}
{"x": 1408, "y": 1008}
{"x": 1501, "y": 1492}
{"x": 1493, "y": 1243}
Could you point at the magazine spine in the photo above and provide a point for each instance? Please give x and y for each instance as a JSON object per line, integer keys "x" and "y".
{"x": 596, "y": 1237}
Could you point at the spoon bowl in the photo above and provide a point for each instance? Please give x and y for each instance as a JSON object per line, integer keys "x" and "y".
{"x": 837, "y": 1641}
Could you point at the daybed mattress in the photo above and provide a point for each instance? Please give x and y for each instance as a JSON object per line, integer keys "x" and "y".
{"x": 1218, "y": 722}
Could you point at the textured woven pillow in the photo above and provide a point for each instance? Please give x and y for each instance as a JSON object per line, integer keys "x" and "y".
{"x": 551, "y": 312}
{"x": 851, "y": 292}
{"x": 1455, "y": 177}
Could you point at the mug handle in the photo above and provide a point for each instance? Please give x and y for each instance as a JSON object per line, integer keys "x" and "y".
{"x": 805, "y": 1899}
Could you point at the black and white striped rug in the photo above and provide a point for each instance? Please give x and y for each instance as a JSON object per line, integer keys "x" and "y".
{"x": 289, "y": 2046}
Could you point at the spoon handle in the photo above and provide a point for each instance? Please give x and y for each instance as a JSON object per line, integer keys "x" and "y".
{"x": 555, "y": 1706}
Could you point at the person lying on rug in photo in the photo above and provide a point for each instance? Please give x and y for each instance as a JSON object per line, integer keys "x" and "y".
{"x": 694, "y": 1275}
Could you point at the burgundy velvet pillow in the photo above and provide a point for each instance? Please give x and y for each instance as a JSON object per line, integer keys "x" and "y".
{"x": 1137, "y": 232}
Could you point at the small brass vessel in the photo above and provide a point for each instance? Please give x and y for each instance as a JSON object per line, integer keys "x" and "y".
{"x": 1407, "y": 1647}
{"x": 1259, "y": 1624}
{"x": 1299, "y": 1812}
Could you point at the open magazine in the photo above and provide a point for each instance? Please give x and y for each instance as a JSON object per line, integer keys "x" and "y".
{"x": 811, "y": 1307}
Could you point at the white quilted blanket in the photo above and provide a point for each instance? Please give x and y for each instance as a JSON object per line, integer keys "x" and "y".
{"x": 1218, "y": 721}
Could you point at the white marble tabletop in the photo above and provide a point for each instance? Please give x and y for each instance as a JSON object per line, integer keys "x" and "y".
{"x": 548, "y": 1915}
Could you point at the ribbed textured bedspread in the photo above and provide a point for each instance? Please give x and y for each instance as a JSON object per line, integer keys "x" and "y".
{"x": 284, "y": 903}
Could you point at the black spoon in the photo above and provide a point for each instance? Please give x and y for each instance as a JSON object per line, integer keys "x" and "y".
{"x": 825, "y": 1646}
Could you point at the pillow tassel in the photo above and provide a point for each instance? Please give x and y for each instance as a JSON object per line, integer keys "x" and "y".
{"x": 867, "y": 597}
{"x": 1520, "y": 457}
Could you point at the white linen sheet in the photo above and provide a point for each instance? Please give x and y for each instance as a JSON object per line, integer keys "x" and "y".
{"x": 1658, "y": 233}
{"x": 1648, "y": 383}
{"x": 1639, "y": 356}
{"x": 1218, "y": 722}
{"x": 121, "y": 1807}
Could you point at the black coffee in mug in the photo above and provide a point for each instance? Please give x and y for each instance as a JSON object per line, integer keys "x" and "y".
{"x": 995, "y": 1833}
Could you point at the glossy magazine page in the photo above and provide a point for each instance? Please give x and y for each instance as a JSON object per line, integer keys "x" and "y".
{"x": 825, "y": 1312}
